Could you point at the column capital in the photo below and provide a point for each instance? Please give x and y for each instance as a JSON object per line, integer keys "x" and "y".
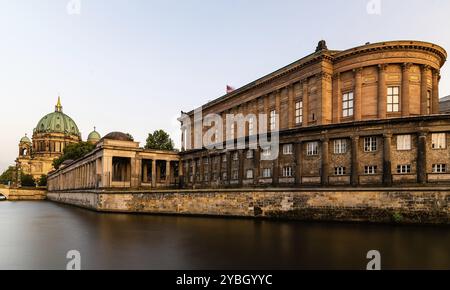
{"x": 387, "y": 135}
{"x": 358, "y": 71}
{"x": 336, "y": 76}
{"x": 406, "y": 66}
{"x": 383, "y": 66}
{"x": 425, "y": 68}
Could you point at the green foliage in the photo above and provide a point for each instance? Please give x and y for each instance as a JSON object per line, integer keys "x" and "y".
{"x": 159, "y": 140}
{"x": 397, "y": 217}
{"x": 130, "y": 136}
{"x": 27, "y": 180}
{"x": 42, "y": 180}
{"x": 74, "y": 152}
{"x": 7, "y": 176}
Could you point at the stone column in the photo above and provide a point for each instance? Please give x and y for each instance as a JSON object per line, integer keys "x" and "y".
{"x": 358, "y": 94}
{"x": 435, "y": 101}
{"x": 382, "y": 91}
{"x": 422, "y": 158}
{"x": 298, "y": 163}
{"x": 305, "y": 103}
{"x": 229, "y": 161}
{"x": 405, "y": 89}
{"x": 291, "y": 107}
{"x": 424, "y": 90}
{"x": 241, "y": 167}
{"x": 257, "y": 166}
{"x": 337, "y": 98}
{"x": 355, "y": 161}
{"x": 325, "y": 161}
{"x": 278, "y": 107}
{"x": 387, "y": 165}
{"x": 168, "y": 173}
{"x": 154, "y": 173}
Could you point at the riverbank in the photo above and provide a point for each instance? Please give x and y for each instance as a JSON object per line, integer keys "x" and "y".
{"x": 374, "y": 205}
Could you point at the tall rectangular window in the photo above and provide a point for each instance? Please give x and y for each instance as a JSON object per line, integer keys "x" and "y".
{"x": 393, "y": 99}
{"x": 288, "y": 149}
{"x": 428, "y": 102}
{"x": 249, "y": 174}
{"x": 232, "y": 131}
{"x": 272, "y": 120}
{"x": 287, "y": 171}
{"x": 267, "y": 172}
{"x": 438, "y": 141}
{"x": 340, "y": 146}
{"x": 251, "y": 127}
{"x": 403, "y": 142}
{"x": 347, "y": 104}
{"x": 299, "y": 112}
{"x": 312, "y": 149}
{"x": 370, "y": 144}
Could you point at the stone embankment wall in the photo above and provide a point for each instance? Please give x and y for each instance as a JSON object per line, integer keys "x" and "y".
{"x": 414, "y": 205}
{"x": 15, "y": 194}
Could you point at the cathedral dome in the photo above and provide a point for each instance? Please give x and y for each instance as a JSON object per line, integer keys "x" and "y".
{"x": 119, "y": 136}
{"x": 57, "y": 122}
{"x": 94, "y": 137}
{"x": 25, "y": 139}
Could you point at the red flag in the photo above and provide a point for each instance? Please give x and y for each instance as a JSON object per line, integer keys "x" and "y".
{"x": 230, "y": 89}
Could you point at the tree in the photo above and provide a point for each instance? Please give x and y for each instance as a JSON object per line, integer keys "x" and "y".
{"x": 74, "y": 152}
{"x": 159, "y": 140}
{"x": 27, "y": 180}
{"x": 7, "y": 176}
{"x": 42, "y": 180}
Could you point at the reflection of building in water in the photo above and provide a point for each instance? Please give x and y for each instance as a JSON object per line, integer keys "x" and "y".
{"x": 52, "y": 134}
{"x": 118, "y": 162}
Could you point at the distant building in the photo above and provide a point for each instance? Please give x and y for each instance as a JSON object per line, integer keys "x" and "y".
{"x": 52, "y": 134}
{"x": 444, "y": 105}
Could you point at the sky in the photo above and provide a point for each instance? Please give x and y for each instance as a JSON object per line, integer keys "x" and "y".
{"x": 133, "y": 65}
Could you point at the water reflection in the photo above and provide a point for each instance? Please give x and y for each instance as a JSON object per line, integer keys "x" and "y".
{"x": 36, "y": 235}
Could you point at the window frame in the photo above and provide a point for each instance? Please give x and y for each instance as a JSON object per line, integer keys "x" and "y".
{"x": 403, "y": 145}
{"x": 436, "y": 141}
{"x": 370, "y": 144}
{"x": 392, "y": 105}
{"x": 340, "y": 146}
{"x": 299, "y": 112}
{"x": 348, "y": 104}
{"x": 312, "y": 148}
{"x": 288, "y": 149}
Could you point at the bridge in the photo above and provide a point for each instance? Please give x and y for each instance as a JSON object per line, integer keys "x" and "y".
{"x": 23, "y": 193}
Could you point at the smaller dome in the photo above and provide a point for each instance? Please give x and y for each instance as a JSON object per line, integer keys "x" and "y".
{"x": 25, "y": 139}
{"x": 94, "y": 136}
{"x": 118, "y": 136}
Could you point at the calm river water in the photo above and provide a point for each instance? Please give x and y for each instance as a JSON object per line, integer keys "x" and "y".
{"x": 37, "y": 235}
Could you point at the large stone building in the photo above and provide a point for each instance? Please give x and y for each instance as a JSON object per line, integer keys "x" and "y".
{"x": 364, "y": 116}
{"x": 52, "y": 134}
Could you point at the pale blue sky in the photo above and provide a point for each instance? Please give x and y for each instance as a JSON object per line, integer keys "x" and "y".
{"x": 132, "y": 66}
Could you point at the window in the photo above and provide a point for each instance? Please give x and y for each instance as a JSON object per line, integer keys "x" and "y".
{"x": 339, "y": 171}
{"x": 393, "y": 99}
{"x": 403, "y": 142}
{"x": 249, "y": 174}
{"x": 267, "y": 152}
{"x": 347, "y": 104}
{"x": 288, "y": 149}
{"x": 251, "y": 126}
{"x": 267, "y": 173}
{"x": 403, "y": 169}
{"x": 272, "y": 121}
{"x": 235, "y": 156}
{"x": 232, "y": 131}
{"x": 235, "y": 175}
{"x": 299, "y": 112}
{"x": 250, "y": 154}
{"x": 206, "y": 177}
{"x": 312, "y": 148}
{"x": 438, "y": 141}
{"x": 340, "y": 146}
{"x": 287, "y": 171}
{"x": 439, "y": 168}
{"x": 428, "y": 102}
{"x": 224, "y": 158}
{"x": 370, "y": 144}
{"x": 206, "y": 161}
{"x": 224, "y": 176}
{"x": 370, "y": 170}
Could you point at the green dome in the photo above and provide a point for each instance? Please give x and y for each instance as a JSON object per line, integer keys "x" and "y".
{"x": 57, "y": 122}
{"x": 25, "y": 139}
{"x": 94, "y": 136}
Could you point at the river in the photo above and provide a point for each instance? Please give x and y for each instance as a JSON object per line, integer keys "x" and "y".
{"x": 38, "y": 235}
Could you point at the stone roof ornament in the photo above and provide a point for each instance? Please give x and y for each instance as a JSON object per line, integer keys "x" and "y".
{"x": 58, "y": 107}
{"x": 322, "y": 45}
